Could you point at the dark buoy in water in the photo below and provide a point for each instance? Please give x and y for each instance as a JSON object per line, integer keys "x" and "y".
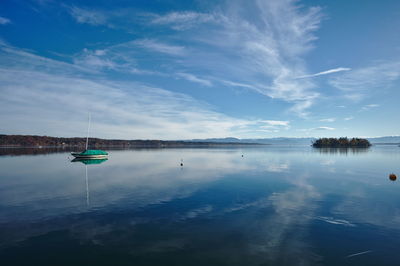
{"x": 242, "y": 155}
{"x": 392, "y": 177}
{"x": 181, "y": 162}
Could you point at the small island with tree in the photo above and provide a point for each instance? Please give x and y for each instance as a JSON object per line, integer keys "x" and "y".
{"x": 341, "y": 143}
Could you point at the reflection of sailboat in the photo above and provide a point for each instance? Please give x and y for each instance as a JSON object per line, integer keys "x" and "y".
{"x": 89, "y": 161}
{"x": 86, "y": 162}
{"x": 89, "y": 154}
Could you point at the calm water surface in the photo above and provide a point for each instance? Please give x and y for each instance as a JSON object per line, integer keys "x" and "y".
{"x": 273, "y": 206}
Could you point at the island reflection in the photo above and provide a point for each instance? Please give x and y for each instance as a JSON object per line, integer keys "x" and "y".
{"x": 342, "y": 151}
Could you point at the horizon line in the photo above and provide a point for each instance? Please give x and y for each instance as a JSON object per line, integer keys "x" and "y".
{"x": 310, "y": 137}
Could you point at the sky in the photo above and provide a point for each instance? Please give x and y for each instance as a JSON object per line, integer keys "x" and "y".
{"x": 163, "y": 69}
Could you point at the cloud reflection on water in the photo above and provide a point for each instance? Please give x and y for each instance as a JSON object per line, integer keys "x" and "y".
{"x": 264, "y": 204}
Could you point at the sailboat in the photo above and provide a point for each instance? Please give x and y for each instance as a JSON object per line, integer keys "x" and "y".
{"x": 90, "y": 154}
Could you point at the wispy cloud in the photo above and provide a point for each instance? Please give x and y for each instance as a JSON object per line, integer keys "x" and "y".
{"x": 39, "y": 87}
{"x": 96, "y": 59}
{"x": 322, "y": 128}
{"x": 328, "y": 120}
{"x": 236, "y": 84}
{"x": 330, "y": 71}
{"x": 4, "y": 21}
{"x": 276, "y": 123}
{"x": 363, "y": 82}
{"x": 264, "y": 53}
{"x": 88, "y": 16}
{"x": 121, "y": 58}
{"x": 369, "y": 106}
{"x": 161, "y": 47}
{"x": 182, "y": 20}
{"x": 348, "y": 118}
{"x": 194, "y": 78}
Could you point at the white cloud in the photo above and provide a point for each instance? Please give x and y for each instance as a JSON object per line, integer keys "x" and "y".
{"x": 161, "y": 47}
{"x": 236, "y": 84}
{"x": 48, "y": 97}
{"x": 324, "y": 128}
{"x": 369, "y": 106}
{"x": 182, "y": 20}
{"x": 273, "y": 125}
{"x": 88, "y": 16}
{"x": 328, "y": 120}
{"x": 349, "y": 118}
{"x": 364, "y": 82}
{"x": 194, "y": 78}
{"x": 276, "y": 123}
{"x": 4, "y": 21}
{"x": 330, "y": 71}
{"x": 120, "y": 57}
{"x": 264, "y": 53}
{"x": 95, "y": 59}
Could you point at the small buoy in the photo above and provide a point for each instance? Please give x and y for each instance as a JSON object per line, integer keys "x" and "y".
{"x": 392, "y": 177}
{"x": 242, "y": 155}
{"x": 181, "y": 162}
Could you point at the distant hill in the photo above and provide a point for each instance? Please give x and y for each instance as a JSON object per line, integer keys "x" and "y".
{"x": 46, "y": 141}
{"x": 272, "y": 141}
{"x": 295, "y": 141}
{"x": 388, "y": 140}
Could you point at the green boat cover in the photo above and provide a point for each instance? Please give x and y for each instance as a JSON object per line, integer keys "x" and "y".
{"x": 94, "y": 152}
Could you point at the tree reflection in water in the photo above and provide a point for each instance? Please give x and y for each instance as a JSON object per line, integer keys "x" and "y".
{"x": 342, "y": 151}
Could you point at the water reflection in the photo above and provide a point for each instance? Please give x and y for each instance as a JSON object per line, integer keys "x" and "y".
{"x": 87, "y": 162}
{"x": 16, "y": 151}
{"x": 342, "y": 151}
{"x": 271, "y": 207}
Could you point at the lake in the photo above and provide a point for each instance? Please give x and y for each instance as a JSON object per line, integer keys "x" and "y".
{"x": 274, "y": 205}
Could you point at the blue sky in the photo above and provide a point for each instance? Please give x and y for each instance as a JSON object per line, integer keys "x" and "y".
{"x": 200, "y": 69}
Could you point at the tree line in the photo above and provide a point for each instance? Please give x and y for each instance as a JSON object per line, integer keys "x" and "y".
{"x": 341, "y": 143}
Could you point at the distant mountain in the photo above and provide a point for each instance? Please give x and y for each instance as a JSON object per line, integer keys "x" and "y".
{"x": 387, "y": 139}
{"x": 272, "y": 141}
{"x": 294, "y": 141}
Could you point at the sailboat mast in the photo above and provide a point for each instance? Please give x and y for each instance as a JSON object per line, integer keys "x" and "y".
{"x": 87, "y": 138}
